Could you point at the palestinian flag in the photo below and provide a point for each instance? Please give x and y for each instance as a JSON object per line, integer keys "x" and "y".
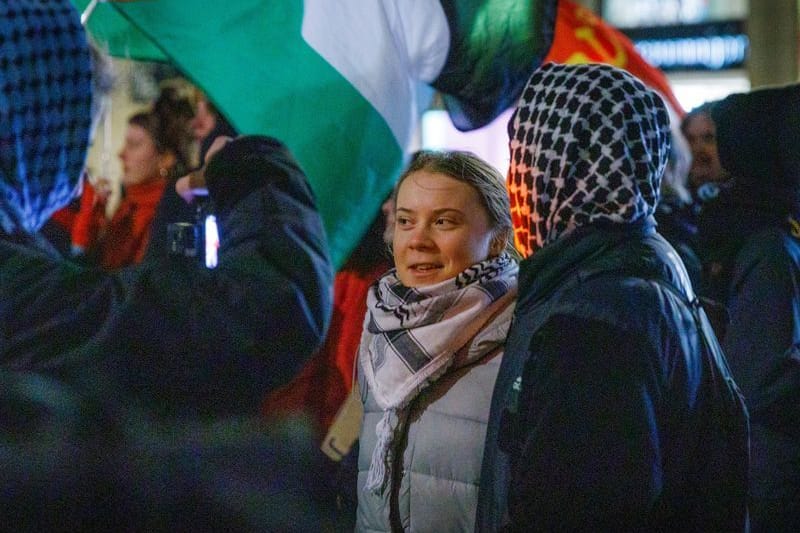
{"x": 342, "y": 82}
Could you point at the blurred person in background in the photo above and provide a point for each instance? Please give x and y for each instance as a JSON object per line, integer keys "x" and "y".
{"x": 156, "y": 151}
{"x": 749, "y": 244}
{"x": 706, "y": 174}
{"x": 205, "y": 125}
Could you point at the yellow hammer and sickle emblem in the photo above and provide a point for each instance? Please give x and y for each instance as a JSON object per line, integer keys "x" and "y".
{"x": 587, "y": 34}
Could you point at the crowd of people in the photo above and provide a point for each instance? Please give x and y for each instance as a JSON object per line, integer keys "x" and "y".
{"x": 606, "y": 339}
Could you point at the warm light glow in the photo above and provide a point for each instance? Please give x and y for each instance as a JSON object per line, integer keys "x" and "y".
{"x": 694, "y": 88}
{"x": 489, "y": 143}
{"x": 212, "y": 241}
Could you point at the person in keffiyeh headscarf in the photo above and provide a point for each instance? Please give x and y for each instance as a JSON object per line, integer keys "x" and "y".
{"x": 610, "y": 409}
{"x": 431, "y": 346}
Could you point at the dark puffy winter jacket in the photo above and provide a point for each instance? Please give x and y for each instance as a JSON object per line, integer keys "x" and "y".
{"x": 170, "y": 335}
{"x": 613, "y": 408}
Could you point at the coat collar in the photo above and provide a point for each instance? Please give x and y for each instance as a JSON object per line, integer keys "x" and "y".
{"x": 633, "y": 249}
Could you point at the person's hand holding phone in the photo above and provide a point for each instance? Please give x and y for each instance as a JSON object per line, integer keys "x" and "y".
{"x": 194, "y": 183}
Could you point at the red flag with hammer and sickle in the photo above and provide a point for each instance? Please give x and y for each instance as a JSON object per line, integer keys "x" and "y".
{"x": 583, "y": 37}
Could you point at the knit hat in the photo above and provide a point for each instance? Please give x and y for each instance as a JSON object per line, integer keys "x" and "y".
{"x": 45, "y": 110}
{"x": 757, "y": 137}
{"x": 588, "y": 144}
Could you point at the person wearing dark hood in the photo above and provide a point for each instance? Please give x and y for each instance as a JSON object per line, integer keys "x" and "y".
{"x": 613, "y": 408}
{"x": 749, "y": 243}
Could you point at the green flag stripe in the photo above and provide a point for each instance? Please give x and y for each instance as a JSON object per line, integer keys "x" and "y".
{"x": 252, "y": 61}
{"x": 115, "y": 34}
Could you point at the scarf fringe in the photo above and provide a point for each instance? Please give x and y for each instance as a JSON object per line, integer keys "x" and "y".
{"x": 380, "y": 468}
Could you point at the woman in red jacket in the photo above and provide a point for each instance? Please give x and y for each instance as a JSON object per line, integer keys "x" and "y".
{"x": 157, "y": 146}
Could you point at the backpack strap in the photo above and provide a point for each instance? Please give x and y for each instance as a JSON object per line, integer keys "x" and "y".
{"x": 728, "y": 450}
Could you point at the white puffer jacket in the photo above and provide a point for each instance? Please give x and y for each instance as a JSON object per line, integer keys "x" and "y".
{"x": 435, "y": 488}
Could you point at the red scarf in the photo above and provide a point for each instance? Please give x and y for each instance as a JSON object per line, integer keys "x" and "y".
{"x": 128, "y": 232}
{"x": 123, "y": 240}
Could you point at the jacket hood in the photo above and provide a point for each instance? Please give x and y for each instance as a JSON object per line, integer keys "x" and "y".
{"x": 252, "y": 161}
{"x": 757, "y": 137}
{"x": 45, "y": 110}
{"x": 588, "y": 144}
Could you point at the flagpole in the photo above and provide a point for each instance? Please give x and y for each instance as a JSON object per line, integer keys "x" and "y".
{"x": 88, "y": 11}
{"x": 105, "y": 155}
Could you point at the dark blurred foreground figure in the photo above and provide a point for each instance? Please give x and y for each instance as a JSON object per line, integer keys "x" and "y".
{"x": 322, "y": 392}
{"x": 118, "y": 389}
{"x": 750, "y": 247}
{"x": 180, "y": 339}
{"x": 614, "y": 408}
{"x": 72, "y": 464}
{"x": 322, "y": 386}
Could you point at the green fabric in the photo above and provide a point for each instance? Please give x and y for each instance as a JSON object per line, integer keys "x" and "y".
{"x": 114, "y": 32}
{"x": 495, "y": 46}
{"x": 251, "y": 60}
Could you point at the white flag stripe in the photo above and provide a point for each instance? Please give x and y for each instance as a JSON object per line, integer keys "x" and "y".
{"x": 384, "y": 48}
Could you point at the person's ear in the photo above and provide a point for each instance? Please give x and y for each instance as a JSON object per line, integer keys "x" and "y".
{"x": 166, "y": 161}
{"x": 498, "y": 244}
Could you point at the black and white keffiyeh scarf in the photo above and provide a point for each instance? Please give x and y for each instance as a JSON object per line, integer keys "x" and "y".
{"x": 413, "y": 336}
{"x": 588, "y": 143}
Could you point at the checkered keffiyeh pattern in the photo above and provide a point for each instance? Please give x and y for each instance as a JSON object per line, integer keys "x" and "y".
{"x": 45, "y": 109}
{"x": 588, "y": 143}
{"x": 413, "y": 336}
